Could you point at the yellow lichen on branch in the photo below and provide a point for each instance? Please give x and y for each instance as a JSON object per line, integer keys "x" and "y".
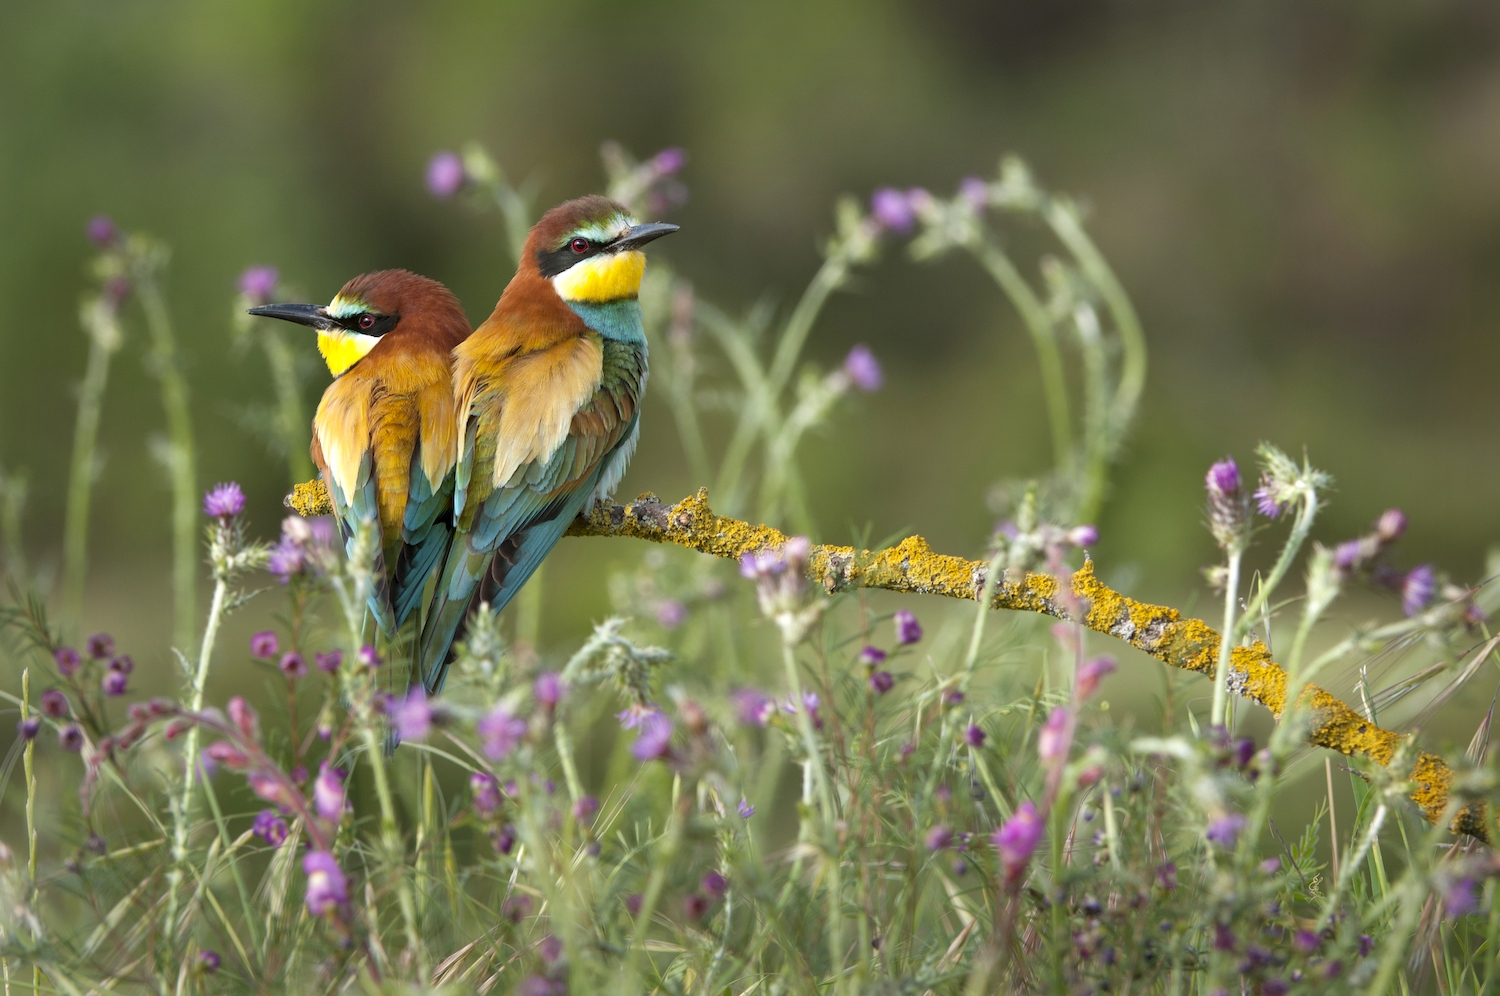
{"x": 912, "y": 566}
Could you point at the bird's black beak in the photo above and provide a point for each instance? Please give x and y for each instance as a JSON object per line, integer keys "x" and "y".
{"x": 303, "y": 314}
{"x": 639, "y": 235}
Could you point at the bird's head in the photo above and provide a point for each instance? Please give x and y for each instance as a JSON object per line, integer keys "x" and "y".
{"x": 589, "y": 249}
{"x": 374, "y": 307}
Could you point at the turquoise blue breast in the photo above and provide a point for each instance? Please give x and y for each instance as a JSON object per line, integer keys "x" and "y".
{"x": 617, "y": 320}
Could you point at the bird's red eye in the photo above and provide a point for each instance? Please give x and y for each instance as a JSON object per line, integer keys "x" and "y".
{"x": 580, "y": 246}
{"x": 366, "y": 321}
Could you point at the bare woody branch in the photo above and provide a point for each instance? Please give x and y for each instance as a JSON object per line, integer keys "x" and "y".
{"x": 912, "y": 566}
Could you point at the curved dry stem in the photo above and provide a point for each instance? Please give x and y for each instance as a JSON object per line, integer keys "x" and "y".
{"x": 912, "y": 566}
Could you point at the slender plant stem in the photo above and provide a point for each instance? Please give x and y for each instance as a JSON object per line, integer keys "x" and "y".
{"x": 1049, "y": 358}
{"x": 182, "y": 812}
{"x": 291, "y": 416}
{"x": 829, "y": 815}
{"x": 1063, "y": 219}
{"x": 1307, "y": 510}
{"x": 104, "y": 340}
{"x": 182, "y": 458}
{"x": 395, "y": 852}
{"x": 1226, "y": 643}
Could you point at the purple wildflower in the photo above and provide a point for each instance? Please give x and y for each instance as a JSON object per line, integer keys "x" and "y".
{"x": 938, "y": 838}
{"x": 1306, "y": 941}
{"x": 445, "y": 174}
{"x": 754, "y": 707}
{"x": 548, "y": 689}
{"x": 67, "y": 661}
{"x": 584, "y": 808}
{"x": 292, "y": 665}
{"x": 329, "y": 662}
{"x": 224, "y": 501}
{"x": 1166, "y": 876}
{"x": 1093, "y": 671}
{"x": 505, "y": 839}
{"x": 1390, "y": 526}
{"x": 1417, "y": 589}
{"x": 1348, "y": 554}
{"x": 1225, "y": 830}
{"x": 1266, "y": 501}
{"x": 501, "y": 733}
{"x": 259, "y": 282}
{"x": 485, "y": 793}
{"x": 101, "y": 646}
{"x": 285, "y": 559}
{"x": 668, "y": 161}
{"x": 745, "y": 809}
{"x": 1017, "y": 838}
{"x": 102, "y": 231}
{"x": 1223, "y": 478}
{"x": 264, "y": 645}
{"x": 862, "y": 369}
{"x": 122, "y": 663}
{"x": 1056, "y": 736}
{"x": 114, "y": 683}
{"x": 714, "y": 884}
{"x": 694, "y": 906}
{"x": 671, "y": 613}
{"x": 1366, "y": 945}
{"x": 70, "y": 738}
{"x": 632, "y": 717}
{"x": 54, "y": 704}
{"x": 1083, "y": 535}
{"x": 1224, "y": 939}
{"x": 952, "y": 697}
{"x": 870, "y": 656}
{"x": 411, "y": 718}
{"x": 329, "y": 797}
{"x": 882, "y": 682}
{"x": 368, "y": 657}
{"x": 908, "y": 630}
{"x": 1459, "y": 898}
{"x": 892, "y": 210}
{"x": 974, "y": 191}
{"x": 327, "y": 889}
{"x": 209, "y": 962}
{"x": 974, "y": 736}
{"x": 655, "y": 742}
{"x": 28, "y": 728}
{"x": 269, "y": 827}
{"x": 1274, "y": 987}
{"x": 1270, "y": 866}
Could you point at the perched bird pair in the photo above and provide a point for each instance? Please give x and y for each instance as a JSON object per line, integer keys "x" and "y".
{"x": 471, "y": 453}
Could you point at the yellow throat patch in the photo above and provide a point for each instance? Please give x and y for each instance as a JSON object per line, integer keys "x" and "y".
{"x": 611, "y": 276}
{"x": 341, "y": 350}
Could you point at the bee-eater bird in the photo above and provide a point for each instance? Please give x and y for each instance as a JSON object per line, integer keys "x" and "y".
{"x": 548, "y": 393}
{"x": 384, "y": 436}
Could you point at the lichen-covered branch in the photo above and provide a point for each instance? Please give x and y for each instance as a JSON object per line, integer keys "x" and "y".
{"x": 912, "y": 566}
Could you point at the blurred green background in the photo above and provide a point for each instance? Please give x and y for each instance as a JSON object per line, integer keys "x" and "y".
{"x": 1301, "y": 197}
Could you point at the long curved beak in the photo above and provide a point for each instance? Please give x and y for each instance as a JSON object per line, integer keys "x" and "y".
{"x": 312, "y": 315}
{"x": 639, "y": 235}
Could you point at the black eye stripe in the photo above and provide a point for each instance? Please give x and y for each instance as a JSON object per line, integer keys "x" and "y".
{"x": 555, "y": 261}
{"x": 383, "y": 323}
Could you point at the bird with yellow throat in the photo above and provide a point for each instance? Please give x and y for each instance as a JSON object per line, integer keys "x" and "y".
{"x": 548, "y": 392}
{"x": 385, "y": 433}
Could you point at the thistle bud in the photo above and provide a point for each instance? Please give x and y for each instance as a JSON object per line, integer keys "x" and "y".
{"x": 1228, "y": 506}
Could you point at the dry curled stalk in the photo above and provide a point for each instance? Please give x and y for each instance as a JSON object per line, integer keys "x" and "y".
{"x": 912, "y": 566}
